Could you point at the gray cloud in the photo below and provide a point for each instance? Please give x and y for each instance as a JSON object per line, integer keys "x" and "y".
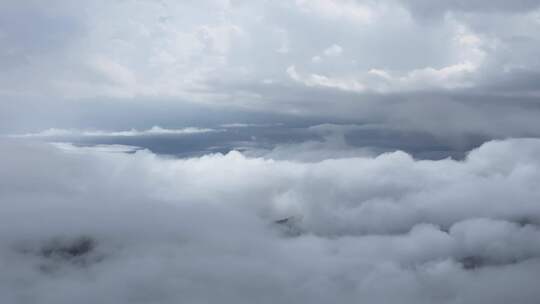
{"x": 201, "y": 229}
{"x": 426, "y": 7}
{"x": 368, "y": 151}
{"x": 259, "y": 56}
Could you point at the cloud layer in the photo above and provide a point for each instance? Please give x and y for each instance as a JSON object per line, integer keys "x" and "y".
{"x": 311, "y": 151}
{"x": 154, "y": 131}
{"x": 372, "y": 61}
{"x": 87, "y": 226}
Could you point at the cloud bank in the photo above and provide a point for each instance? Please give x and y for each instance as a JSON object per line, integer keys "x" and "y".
{"x": 87, "y": 226}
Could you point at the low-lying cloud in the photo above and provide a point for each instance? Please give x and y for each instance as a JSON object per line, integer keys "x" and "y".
{"x": 81, "y": 225}
{"x": 155, "y": 130}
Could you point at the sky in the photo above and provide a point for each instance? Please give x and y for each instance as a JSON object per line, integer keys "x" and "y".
{"x": 233, "y": 151}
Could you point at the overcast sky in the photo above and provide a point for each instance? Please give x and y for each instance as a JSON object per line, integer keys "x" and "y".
{"x": 279, "y": 151}
{"x": 447, "y": 67}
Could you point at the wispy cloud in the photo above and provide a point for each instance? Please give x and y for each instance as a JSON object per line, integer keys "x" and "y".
{"x": 115, "y": 148}
{"x": 155, "y": 130}
{"x": 246, "y": 125}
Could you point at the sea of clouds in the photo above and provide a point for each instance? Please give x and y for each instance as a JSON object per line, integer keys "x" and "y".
{"x": 83, "y": 225}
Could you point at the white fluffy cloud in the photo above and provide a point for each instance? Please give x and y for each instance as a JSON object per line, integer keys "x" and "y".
{"x": 333, "y": 51}
{"x": 87, "y": 226}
